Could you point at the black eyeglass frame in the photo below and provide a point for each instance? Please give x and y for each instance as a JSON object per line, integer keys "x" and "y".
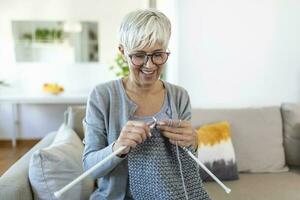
{"x": 147, "y": 57}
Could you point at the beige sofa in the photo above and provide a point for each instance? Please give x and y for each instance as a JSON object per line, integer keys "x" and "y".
{"x": 257, "y": 122}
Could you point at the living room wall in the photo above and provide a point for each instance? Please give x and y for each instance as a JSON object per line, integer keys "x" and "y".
{"x": 239, "y": 53}
{"x": 38, "y": 120}
{"x": 108, "y": 14}
{"x": 234, "y": 53}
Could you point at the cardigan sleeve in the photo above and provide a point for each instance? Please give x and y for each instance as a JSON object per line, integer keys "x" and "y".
{"x": 185, "y": 111}
{"x": 184, "y": 106}
{"x": 96, "y": 144}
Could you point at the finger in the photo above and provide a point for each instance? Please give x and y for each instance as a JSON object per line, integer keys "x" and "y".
{"x": 129, "y": 143}
{"x": 179, "y": 143}
{"x": 184, "y": 124}
{"x": 174, "y": 123}
{"x": 163, "y": 122}
{"x": 174, "y": 136}
{"x": 135, "y": 136}
{"x": 126, "y": 129}
{"x": 131, "y": 128}
{"x": 172, "y": 129}
{"x": 173, "y": 141}
{"x": 137, "y": 123}
{"x": 141, "y": 125}
{"x": 138, "y": 130}
{"x": 189, "y": 133}
{"x": 170, "y": 123}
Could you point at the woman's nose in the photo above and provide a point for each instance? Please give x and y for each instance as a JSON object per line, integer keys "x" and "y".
{"x": 149, "y": 63}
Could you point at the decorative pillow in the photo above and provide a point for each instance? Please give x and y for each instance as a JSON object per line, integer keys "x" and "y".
{"x": 215, "y": 151}
{"x": 291, "y": 132}
{"x": 53, "y": 167}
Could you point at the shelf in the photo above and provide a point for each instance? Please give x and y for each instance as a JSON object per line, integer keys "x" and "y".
{"x": 44, "y": 98}
{"x": 47, "y": 41}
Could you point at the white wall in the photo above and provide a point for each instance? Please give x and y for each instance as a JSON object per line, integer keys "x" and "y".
{"x": 238, "y": 53}
{"x": 38, "y": 120}
{"x": 72, "y": 76}
{"x": 170, "y": 9}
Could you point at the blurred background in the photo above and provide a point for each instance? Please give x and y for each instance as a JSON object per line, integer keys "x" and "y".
{"x": 227, "y": 54}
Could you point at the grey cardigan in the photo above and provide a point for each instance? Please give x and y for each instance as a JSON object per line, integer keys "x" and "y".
{"x": 108, "y": 110}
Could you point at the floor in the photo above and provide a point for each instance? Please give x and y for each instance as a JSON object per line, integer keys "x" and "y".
{"x": 9, "y": 155}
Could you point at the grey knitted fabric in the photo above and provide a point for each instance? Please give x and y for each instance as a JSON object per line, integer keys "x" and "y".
{"x": 154, "y": 171}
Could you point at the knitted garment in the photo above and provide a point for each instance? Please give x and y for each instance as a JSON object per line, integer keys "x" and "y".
{"x": 154, "y": 171}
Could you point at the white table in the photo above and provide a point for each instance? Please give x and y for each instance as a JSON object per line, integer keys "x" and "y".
{"x": 16, "y": 98}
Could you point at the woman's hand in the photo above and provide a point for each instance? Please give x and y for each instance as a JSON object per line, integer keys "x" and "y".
{"x": 178, "y": 131}
{"x": 132, "y": 134}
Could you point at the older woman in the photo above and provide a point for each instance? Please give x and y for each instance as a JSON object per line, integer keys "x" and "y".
{"x": 120, "y": 112}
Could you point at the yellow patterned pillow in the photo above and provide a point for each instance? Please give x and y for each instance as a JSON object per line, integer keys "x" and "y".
{"x": 215, "y": 151}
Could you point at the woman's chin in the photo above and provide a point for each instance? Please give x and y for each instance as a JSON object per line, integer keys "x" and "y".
{"x": 148, "y": 78}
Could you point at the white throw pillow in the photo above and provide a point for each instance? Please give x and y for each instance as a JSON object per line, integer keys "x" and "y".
{"x": 216, "y": 152}
{"x": 53, "y": 167}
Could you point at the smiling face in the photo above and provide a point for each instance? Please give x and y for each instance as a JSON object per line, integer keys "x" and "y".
{"x": 144, "y": 36}
{"x": 144, "y": 75}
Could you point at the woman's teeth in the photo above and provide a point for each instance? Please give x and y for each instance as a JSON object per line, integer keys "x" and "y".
{"x": 147, "y": 72}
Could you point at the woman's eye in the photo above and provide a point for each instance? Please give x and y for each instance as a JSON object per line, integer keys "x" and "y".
{"x": 158, "y": 55}
{"x": 139, "y": 55}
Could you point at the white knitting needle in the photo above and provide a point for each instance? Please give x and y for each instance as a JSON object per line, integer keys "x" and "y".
{"x": 227, "y": 190}
{"x": 58, "y": 193}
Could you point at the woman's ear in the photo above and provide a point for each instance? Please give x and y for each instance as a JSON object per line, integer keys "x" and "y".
{"x": 121, "y": 49}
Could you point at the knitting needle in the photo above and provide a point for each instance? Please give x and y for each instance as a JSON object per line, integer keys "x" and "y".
{"x": 152, "y": 124}
{"x": 58, "y": 193}
{"x": 227, "y": 190}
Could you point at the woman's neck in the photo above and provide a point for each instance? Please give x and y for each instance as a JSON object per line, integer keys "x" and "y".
{"x": 133, "y": 87}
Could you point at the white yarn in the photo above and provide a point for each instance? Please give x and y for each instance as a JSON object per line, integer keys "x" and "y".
{"x": 181, "y": 173}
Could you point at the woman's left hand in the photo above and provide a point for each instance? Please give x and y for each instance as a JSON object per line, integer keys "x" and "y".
{"x": 178, "y": 131}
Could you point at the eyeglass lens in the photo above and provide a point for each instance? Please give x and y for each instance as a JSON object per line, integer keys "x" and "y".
{"x": 158, "y": 58}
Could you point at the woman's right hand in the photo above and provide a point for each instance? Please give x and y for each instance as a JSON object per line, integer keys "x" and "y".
{"x": 132, "y": 134}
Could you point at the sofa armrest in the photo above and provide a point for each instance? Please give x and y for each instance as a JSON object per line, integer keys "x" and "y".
{"x": 14, "y": 183}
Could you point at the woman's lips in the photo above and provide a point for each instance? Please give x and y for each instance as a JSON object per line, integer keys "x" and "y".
{"x": 148, "y": 72}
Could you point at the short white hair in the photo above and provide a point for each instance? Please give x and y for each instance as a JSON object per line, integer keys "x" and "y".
{"x": 144, "y": 28}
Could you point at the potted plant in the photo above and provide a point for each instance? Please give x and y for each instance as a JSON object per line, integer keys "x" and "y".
{"x": 3, "y": 83}
{"x": 120, "y": 67}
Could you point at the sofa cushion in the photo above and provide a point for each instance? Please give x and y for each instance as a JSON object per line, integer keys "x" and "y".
{"x": 259, "y": 186}
{"x": 53, "y": 167}
{"x": 256, "y": 136}
{"x": 75, "y": 115}
{"x": 291, "y": 129}
{"x": 215, "y": 151}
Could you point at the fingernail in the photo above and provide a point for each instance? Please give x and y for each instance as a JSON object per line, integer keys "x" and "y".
{"x": 150, "y": 134}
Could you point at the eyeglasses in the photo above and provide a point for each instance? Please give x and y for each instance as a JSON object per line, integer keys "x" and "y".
{"x": 157, "y": 58}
